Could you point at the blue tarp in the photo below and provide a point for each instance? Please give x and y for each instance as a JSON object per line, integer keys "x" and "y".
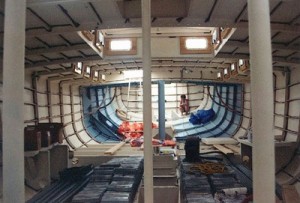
{"x": 202, "y": 116}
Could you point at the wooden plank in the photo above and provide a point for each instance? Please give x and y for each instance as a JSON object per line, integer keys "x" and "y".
{"x": 223, "y": 149}
{"x": 234, "y": 148}
{"x": 290, "y": 194}
{"x": 113, "y": 150}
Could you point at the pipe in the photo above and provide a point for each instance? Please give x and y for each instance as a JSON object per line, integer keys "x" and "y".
{"x": 147, "y": 101}
{"x": 262, "y": 101}
{"x": 161, "y": 110}
{"x": 13, "y": 101}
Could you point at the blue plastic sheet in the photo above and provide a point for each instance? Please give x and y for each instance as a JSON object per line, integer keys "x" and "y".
{"x": 202, "y": 116}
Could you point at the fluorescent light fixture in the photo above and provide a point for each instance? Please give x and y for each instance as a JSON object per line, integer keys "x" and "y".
{"x": 88, "y": 70}
{"x": 96, "y": 74}
{"x": 100, "y": 41}
{"x": 225, "y": 71}
{"x": 133, "y": 73}
{"x": 218, "y": 75}
{"x": 232, "y": 67}
{"x": 241, "y": 62}
{"x": 120, "y": 45}
{"x": 215, "y": 37}
{"x": 103, "y": 77}
{"x": 78, "y": 68}
{"x": 196, "y": 43}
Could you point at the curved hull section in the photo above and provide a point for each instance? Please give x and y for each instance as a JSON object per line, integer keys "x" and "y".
{"x": 102, "y": 103}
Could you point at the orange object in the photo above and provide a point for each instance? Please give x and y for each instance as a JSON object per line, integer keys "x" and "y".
{"x": 170, "y": 143}
{"x": 134, "y": 130}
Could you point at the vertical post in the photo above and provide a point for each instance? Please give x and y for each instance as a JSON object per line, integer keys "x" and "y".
{"x": 13, "y": 101}
{"x": 161, "y": 110}
{"x": 147, "y": 101}
{"x": 262, "y": 101}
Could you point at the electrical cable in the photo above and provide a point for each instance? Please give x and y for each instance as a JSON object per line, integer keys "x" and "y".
{"x": 225, "y": 106}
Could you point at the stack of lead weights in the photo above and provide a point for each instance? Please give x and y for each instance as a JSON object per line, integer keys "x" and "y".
{"x": 220, "y": 181}
{"x": 125, "y": 181}
{"x": 114, "y": 181}
{"x": 195, "y": 187}
{"x": 198, "y": 187}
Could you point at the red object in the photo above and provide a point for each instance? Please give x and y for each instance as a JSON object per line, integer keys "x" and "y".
{"x": 170, "y": 143}
{"x": 136, "y": 142}
{"x": 134, "y": 130}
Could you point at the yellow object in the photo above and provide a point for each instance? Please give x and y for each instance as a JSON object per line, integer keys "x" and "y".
{"x": 208, "y": 168}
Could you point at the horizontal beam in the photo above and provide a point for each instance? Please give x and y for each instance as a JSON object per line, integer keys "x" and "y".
{"x": 165, "y": 65}
{"x": 274, "y": 46}
{"x": 282, "y": 60}
{"x": 57, "y": 49}
{"x": 47, "y": 2}
{"x": 62, "y": 61}
{"x": 282, "y": 27}
{"x": 188, "y": 22}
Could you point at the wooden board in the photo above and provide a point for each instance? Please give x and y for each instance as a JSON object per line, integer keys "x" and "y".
{"x": 113, "y": 150}
{"x": 234, "y": 148}
{"x": 223, "y": 149}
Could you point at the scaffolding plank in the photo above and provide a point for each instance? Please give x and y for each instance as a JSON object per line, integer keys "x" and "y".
{"x": 115, "y": 148}
{"x": 223, "y": 149}
{"x": 234, "y": 148}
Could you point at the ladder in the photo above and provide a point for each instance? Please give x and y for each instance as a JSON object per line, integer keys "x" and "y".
{"x": 137, "y": 92}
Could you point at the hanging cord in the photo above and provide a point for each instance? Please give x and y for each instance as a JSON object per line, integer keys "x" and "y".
{"x": 223, "y": 105}
{"x": 101, "y": 107}
{"x": 96, "y": 109}
{"x": 110, "y": 100}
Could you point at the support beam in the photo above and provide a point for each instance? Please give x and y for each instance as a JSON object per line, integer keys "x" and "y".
{"x": 161, "y": 110}
{"x": 57, "y": 49}
{"x": 147, "y": 101}
{"x": 275, "y": 46}
{"x": 13, "y": 101}
{"x": 64, "y": 61}
{"x": 262, "y": 101}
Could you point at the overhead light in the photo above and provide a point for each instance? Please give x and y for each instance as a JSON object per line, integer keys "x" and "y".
{"x": 87, "y": 72}
{"x": 100, "y": 39}
{"x": 215, "y": 39}
{"x": 133, "y": 73}
{"x": 241, "y": 62}
{"x": 96, "y": 75}
{"x": 103, "y": 77}
{"x": 78, "y": 68}
{"x": 196, "y": 43}
{"x": 120, "y": 45}
{"x": 232, "y": 67}
{"x": 225, "y": 71}
{"x": 219, "y": 75}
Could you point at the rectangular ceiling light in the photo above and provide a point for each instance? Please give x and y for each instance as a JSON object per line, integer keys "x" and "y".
{"x": 87, "y": 72}
{"x": 196, "y": 43}
{"x": 78, "y": 68}
{"x": 120, "y": 45}
{"x": 232, "y": 67}
{"x": 133, "y": 73}
{"x": 241, "y": 62}
{"x": 225, "y": 71}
